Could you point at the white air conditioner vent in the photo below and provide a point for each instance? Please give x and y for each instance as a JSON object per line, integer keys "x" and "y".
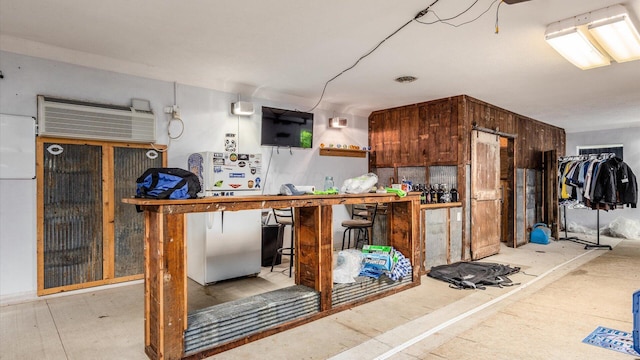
{"x": 82, "y": 120}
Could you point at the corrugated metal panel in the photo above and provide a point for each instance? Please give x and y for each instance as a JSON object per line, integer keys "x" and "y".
{"x": 234, "y": 320}
{"x": 72, "y": 230}
{"x": 129, "y": 164}
{"x": 384, "y": 174}
{"x": 415, "y": 174}
{"x": 520, "y": 206}
{"x": 380, "y": 231}
{"x": 532, "y": 203}
{"x": 444, "y": 175}
{"x": 531, "y": 193}
{"x": 455, "y": 234}
{"x": 362, "y": 288}
{"x": 467, "y": 216}
{"x": 435, "y": 245}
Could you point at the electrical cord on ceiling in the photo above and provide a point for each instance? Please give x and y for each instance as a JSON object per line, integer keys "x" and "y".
{"x": 498, "y": 13}
{"x": 445, "y": 21}
{"x": 451, "y": 18}
{"x": 415, "y": 18}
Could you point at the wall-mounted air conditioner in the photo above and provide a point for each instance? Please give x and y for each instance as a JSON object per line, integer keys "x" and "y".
{"x": 82, "y": 120}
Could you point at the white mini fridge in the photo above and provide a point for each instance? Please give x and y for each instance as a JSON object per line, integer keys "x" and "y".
{"x": 225, "y": 244}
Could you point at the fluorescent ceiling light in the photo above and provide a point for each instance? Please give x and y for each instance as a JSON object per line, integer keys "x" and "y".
{"x": 591, "y": 40}
{"x": 618, "y": 37}
{"x": 576, "y": 48}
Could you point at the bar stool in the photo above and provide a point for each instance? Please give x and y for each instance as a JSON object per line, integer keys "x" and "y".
{"x": 284, "y": 217}
{"x": 362, "y": 220}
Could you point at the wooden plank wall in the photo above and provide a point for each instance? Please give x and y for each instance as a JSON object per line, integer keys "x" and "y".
{"x": 427, "y": 133}
{"x": 437, "y": 132}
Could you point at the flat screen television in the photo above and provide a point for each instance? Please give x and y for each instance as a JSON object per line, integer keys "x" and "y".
{"x": 287, "y": 128}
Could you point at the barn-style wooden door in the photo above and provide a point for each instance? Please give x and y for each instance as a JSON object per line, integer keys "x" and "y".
{"x": 486, "y": 199}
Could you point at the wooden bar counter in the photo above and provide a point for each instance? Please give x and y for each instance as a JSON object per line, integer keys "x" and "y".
{"x": 165, "y": 258}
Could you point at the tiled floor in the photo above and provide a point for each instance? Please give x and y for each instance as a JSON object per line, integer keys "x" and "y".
{"x": 565, "y": 293}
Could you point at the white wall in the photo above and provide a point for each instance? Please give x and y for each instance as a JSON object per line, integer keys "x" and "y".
{"x": 206, "y": 117}
{"x": 630, "y": 139}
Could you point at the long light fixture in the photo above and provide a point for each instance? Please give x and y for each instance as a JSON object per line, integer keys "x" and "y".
{"x": 618, "y": 37}
{"x": 590, "y": 40}
{"x": 575, "y": 47}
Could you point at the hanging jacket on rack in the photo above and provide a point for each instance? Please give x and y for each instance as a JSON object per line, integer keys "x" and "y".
{"x": 614, "y": 184}
{"x": 627, "y": 184}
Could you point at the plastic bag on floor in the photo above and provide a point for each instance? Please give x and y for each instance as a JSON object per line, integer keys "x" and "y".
{"x": 623, "y": 228}
{"x": 577, "y": 228}
{"x": 348, "y": 266}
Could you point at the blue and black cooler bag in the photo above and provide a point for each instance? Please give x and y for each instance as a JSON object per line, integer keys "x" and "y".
{"x": 168, "y": 183}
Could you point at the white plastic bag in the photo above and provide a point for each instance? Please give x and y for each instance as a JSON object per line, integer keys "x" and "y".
{"x": 348, "y": 266}
{"x": 623, "y": 228}
{"x": 359, "y": 185}
{"x": 577, "y": 228}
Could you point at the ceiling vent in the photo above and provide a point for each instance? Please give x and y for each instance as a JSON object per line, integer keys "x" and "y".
{"x": 82, "y": 120}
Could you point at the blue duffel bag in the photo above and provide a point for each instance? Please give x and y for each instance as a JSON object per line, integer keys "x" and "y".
{"x": 168, "y": 183}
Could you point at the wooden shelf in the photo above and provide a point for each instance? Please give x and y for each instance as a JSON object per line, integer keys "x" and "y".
{"x": 343, "y": 152}
{"x": 440, "y": 205}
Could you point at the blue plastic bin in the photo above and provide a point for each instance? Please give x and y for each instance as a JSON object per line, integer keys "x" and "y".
{"x": 540, "y": 234}
{"x": 636, "y": 321}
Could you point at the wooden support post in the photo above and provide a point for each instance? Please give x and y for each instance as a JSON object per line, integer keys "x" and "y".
{"x": 405, "y": 230}
{"x": 165, "y": 285}
{"x": 314, "y": 237}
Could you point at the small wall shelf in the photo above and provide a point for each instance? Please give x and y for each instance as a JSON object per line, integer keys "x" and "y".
{"x": 343, "y": 152}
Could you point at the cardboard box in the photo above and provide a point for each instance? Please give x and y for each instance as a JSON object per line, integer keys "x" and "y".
{"x": 378, "y": 261}
{"x": 379, "y": 249}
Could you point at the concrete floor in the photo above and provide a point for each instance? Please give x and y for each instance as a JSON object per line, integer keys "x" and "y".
{"x": 565, "y": 293}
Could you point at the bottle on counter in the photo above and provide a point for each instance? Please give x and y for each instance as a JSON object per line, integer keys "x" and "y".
{"x": 446, "y": 195}
{"x": 434, "y": 194}
{"x": 454, "y": 195}
{"x": 328, "y": 183}
{"x": 440, "y": 191}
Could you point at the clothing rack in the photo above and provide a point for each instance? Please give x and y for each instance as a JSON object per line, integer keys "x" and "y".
{"x": 587, "y": 244}
{"x": 602, "y": 156}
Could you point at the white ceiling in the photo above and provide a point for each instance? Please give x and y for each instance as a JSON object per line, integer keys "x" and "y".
{"x": 290, "y": 48}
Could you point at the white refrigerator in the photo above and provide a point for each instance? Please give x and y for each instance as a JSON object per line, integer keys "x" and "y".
{"x": 225, "y": 244}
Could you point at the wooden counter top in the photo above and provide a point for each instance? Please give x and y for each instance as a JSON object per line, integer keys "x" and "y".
{"x": 234, "y": 203}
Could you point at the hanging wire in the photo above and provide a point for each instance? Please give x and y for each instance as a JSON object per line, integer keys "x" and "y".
{"x": 266, "y": 173}
{"x": 175, "y": 117}
{"x": 422, "y": 13}
{"x": 497, "y": 14}
{"x": 445, "y": 21}
{"x": 324, "y": 89}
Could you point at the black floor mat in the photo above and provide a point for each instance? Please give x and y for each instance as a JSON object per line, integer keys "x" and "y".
{"x": 474, "y": 275}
